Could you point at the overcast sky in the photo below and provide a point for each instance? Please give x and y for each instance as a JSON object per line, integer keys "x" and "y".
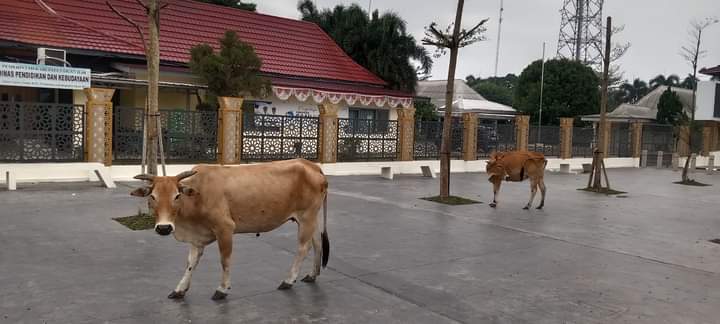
{"x": 656, "y": 28}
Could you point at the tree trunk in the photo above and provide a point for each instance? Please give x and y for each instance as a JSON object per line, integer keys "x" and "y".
{"x": 685, "y": 177}
{"x": 597, "y": 183}
{"x": 447, "y": 123}
{"x": 153, "y": 66}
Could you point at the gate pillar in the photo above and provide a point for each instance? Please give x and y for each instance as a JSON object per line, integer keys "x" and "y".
{"x": 230, "y": 120}
{"x": 98, "y": 125}
{"x": 327, "y": 152}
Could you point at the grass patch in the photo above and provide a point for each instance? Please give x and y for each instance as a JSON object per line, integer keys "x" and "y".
{"x": 139, "y": 222}
{"x": 452, "y": 200}
{"x": 692, "y": 183}
{"x": 604, "y": 191}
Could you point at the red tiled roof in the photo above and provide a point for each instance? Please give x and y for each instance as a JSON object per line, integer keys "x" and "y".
{"x": 286, "y": 47}
{"x": 714, "y": 71}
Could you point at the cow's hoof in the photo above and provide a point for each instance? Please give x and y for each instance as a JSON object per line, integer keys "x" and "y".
{"x": 177, "y": 295}
{"x": 539, "y": 207}
{"x": 219, "y": 295}
{"x": 493, "y": 205}
{"x": 284, "y": 286}
{"x": 526, "y": 207}
{"x": 308, "y": 279}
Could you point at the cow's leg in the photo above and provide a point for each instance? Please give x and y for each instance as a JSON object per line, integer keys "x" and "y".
{"x": 224, "y": 240}
{"x": 193, "y": 258}
{"x": 306, "y": 229}
{"x": 541, "y": 184}
{"x": 533, "y": 190}
{"x": 317, "y": 256}
{"x": 496, "y": 191}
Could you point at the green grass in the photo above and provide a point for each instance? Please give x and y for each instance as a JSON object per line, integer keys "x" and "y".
{"x": 604, "y": 191}
{"x": 452, "y": 200}
{"x": 692, "y": 183}
{"x": 138, "y": 222}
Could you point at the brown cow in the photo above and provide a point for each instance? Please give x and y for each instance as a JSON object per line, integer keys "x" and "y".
{"x": 517, "y": 166}
{"x": 211, "y": 203}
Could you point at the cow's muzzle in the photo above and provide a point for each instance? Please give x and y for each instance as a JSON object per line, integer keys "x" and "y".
{"x": 164, "y": 229}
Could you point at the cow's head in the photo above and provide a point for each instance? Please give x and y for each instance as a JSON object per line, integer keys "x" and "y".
{"x": 495, "y": 169}
{"x": 164, "y": 195}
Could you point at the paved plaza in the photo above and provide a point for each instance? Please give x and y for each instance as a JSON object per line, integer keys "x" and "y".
{"x": 643, "y": 257}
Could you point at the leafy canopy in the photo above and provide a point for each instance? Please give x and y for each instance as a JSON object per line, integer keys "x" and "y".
{"x": 233, "y": 72}
{"x": 670, "y": 109}
{"x": 425, "y": 110}
{"x": 378, "y": 42}
{"x": 497, "y": 89}
{"x": 571, "y": 89}
{"x": 233, "y": 4}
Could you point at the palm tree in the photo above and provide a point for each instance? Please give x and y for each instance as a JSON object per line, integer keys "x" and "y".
{"x": 634, "y": 91}
{"x": 379, "y": 42}
{"x": 660, "y": 80}
{"x": 688, "y": 82}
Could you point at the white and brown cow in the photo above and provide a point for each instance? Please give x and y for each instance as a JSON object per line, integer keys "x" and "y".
{"x": 517, "y": 166}
{"x": 211, "y": 203}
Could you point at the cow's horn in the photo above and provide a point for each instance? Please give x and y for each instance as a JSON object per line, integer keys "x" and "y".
{"x": 185, "y": 174}
{"x": 147, "y": 177}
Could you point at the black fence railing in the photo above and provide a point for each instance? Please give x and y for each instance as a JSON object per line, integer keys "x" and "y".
{"x": 544, "y": 139}
{"x": 620, "y": 138}
{"x": 367, "y": 140}
{"x": 428, "y": 139}
{"x": 494, "y": 138}
{"x": 188, "y": 136}
{"x": 583, "y": 141}
{"x": 273, "y": 137}
{"x": 41, "y": 132}
{"x": 658, "y": 138}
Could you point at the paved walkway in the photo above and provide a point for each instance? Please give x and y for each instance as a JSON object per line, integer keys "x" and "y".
{"x": 644, "y": 258}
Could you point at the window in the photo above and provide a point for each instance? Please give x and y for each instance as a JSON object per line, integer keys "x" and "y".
{"x": 369, "y": 120}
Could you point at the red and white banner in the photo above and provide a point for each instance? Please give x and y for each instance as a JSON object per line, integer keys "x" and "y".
{"x": 318, "y": 96}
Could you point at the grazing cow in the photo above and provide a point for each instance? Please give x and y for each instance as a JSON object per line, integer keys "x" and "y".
{"x": 517, "y": 166}
{"x": 211, "y": 203}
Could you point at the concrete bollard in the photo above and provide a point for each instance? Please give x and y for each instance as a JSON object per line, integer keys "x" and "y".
{"x": 675, "y": 161}
{"x": 659, "y": 160}
{"x": 711, "y": 164}
{"x": 643, "y": 159}
{"x": 565, "y": 168}
{"x": 693, "y": 162}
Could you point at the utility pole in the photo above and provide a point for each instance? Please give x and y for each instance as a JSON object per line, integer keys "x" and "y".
{"x": 580, "y": 21}
{"x": 497, "y": 47}
{"x": 153, "y": 66}
{"x": 542, "y": 85}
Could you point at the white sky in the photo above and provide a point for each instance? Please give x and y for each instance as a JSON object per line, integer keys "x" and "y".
{"x": 656, "y": 28}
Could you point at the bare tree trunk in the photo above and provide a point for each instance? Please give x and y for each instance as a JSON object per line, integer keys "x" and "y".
{"x": 153, "y": 66}
{"x": 597, "y": 181}
{"x": 447, "y": 123}
{"x": 685, "y": 177}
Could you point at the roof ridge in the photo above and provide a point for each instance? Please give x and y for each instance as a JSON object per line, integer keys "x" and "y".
{"x": 52, "y": 12}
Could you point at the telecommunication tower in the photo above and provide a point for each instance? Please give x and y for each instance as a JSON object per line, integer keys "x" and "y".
{"x": 581, "y": 32}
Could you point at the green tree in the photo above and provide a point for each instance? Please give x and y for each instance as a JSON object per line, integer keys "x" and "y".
{"x": 379, "y": 42}
{"x": 234, "y": 71}
{"x": 670, "y": 109}
{"x": 497, "y": 89}
{"x": 233, "y": 4}
{"x": 661, "y": 80}
{"x": 570, "y": 90}
{"x": 688, "y": 82}
{"x": 425, "y": 110}
{"x": 635, "y": 90}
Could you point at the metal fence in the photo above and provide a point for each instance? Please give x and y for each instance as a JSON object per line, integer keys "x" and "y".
{"x": 583, "y": 140}
{"x": 545, "y": 140}
{"x": 494, "y": 137}
{"x": 656, "y": 138}
{"x": 41, "y": 132}
{"x": 428, "y": 139}
{"x": 272, "y": 137}
{"x": 367, "y": 140}
{"x": 188, "y": 136}
{"x": 620, "y": 138}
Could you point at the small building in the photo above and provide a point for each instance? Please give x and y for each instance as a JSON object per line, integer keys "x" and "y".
{"x": 645, "y": 109}
{"x": 465, "y": 99}
{"x": 305, "y": 66}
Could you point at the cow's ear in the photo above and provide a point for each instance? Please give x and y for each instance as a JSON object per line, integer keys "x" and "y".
{"x": 141, "y": 192}
{"x": 188, "y": 191}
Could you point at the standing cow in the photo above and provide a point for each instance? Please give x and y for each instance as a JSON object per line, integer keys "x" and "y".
{"x": 517, "y": 166}
{"x": 211, "y": 203}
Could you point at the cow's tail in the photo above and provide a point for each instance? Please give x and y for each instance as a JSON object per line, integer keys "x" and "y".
{"x": 324, "y": 234}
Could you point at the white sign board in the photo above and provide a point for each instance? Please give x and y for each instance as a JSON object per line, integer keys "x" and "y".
{"x": 43, "y": 76}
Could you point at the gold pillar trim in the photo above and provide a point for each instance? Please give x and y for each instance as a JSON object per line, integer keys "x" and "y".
{"x": 327, "y": 150}
{"x": 566, "y": 137}
{"x": 522, "y": 127}
{"x": 406, "y": 131}
{"x": 230, "y": 130}
{"x": 98, "y": 125}
{"x": 470, "y": 124}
